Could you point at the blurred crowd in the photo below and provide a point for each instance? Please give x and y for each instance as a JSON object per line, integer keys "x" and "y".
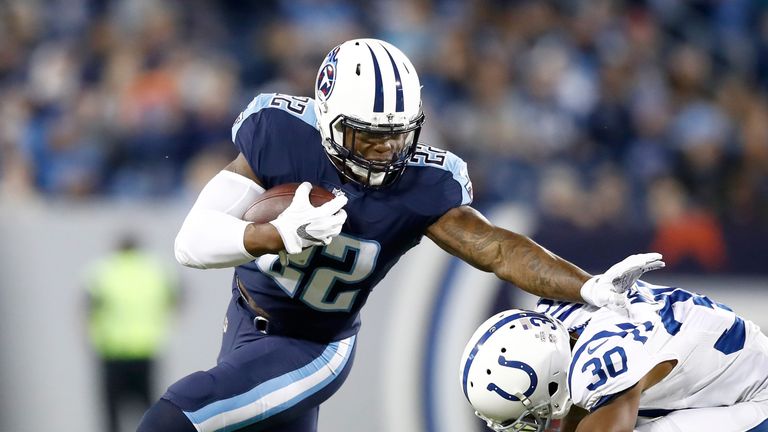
{"x": 594, "y": 113}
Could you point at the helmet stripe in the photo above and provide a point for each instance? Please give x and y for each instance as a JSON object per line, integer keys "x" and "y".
{"x": 399, "y": 104}
{"x": 378, "y": 101}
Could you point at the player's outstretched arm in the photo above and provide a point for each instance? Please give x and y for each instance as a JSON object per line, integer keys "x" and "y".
{"x": 467, "y": 234}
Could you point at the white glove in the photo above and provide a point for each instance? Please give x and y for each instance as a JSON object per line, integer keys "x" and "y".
{"x": 608, "y": 288}
{"x": 302, "y": 225}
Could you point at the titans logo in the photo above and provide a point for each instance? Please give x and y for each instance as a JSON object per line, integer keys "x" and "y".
{"x": 326, "y": 78}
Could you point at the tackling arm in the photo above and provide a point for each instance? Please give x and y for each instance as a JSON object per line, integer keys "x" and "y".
{"x": 620, "y": 414}
{"x": 467, "y": 234}
{"x": 572, "y": 419}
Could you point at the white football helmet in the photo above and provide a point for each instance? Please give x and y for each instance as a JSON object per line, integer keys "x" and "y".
{"x": 367, "y": 90}
{"x": 514, "y": 371}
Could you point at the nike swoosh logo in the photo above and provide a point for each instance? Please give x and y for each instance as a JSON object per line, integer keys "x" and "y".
{"x": 302, "y": 232}
{"x": 593, "y": 349}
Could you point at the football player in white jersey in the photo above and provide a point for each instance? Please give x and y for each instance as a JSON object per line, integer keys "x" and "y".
{"x": 677, "y": 362}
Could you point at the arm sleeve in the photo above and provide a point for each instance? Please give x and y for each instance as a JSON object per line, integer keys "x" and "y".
{"x": 212, "y": 233}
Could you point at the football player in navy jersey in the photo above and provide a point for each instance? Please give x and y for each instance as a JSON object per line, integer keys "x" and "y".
{"x": 300, "y": 280}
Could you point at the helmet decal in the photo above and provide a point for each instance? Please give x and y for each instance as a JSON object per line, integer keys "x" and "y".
{"x": 533, "y": 318}
{"x": 326, "y": 78}
{"x": 516, "y": 365}
{"x": 378, "y": 102}
{"x": 399, "y": 104}
{"x": 514, "y": 371}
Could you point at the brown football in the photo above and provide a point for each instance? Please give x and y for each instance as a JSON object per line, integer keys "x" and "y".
{"x": 276, "y": 199}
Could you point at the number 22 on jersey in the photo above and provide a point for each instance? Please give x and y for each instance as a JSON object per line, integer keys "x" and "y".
{"x": 314, "y": 284}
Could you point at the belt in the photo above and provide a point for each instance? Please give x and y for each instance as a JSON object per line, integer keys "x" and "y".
{"x": 261, "y": 318}
{"x": 266, "y": 324}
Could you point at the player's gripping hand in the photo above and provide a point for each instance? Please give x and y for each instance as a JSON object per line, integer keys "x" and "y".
{"x": 607, "y": 289}
{"x": 302, "y": 225}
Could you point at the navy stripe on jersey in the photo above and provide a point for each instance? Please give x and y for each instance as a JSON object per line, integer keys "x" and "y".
{"x": 568, "y": 311}
{"x": 732, "y": 339}
{"x": 557, "y": 309}
{"x": 563, "y": 310}
{"x": 762, "y": 427}
{"x": 378, "y": 101}
{"x": 654, "y": 412}
{"x": 399, "y": 104}
{"x": 604, "y": 400}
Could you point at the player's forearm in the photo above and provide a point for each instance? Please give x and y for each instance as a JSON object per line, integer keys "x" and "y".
{"x": 467, "y": 234}
{"x": 213, "y": 234}
{"x": 571, "y": 421}
{"x": 619, "y": 415}
{"x": 260, "y": 239}
{"x": 535, "y": 269}
{"x": 211, "y": 239}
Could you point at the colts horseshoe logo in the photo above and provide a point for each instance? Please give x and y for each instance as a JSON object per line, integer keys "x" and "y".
{"x": 517, "y": 365}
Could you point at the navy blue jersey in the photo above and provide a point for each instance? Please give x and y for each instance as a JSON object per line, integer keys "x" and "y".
{"x": 318, "y": 295}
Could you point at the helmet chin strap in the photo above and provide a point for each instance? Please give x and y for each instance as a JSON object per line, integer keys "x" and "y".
{"x": 375, "y": 179}
{"x": 523, "y": 399}
{"x": 349, "y": 168}
{"x": 364, "y": 175}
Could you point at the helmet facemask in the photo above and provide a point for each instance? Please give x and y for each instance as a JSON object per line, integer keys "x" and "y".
{"x": 535, "y": 419}
{"x": 374, "y": 156}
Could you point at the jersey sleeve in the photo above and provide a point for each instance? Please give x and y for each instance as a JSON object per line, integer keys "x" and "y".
{"x": 246, "y": 128}
{"x": 442, "y": 184}
{"x": 608, "y": 362}
{"x": 272, "y": 133}
{"x": 574, "y": 316}
{"x": 460, "y": 175}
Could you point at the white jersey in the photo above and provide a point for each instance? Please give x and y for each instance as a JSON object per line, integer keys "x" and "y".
{"x": 722, "y": 359}
{"x": 574, "y": 316}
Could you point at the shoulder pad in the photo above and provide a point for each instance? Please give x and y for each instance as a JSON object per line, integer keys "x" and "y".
{"x": 608, "y": 361}
{"x": 298, "y": 106}
{"x": 573, "y": 315}
{"x": 443, "y": 159}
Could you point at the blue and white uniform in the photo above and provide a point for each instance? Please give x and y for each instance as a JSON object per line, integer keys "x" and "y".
{"x": 313, "y": 303}
{"x": 720, "y": 381}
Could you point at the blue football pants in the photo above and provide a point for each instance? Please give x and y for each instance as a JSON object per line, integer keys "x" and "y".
{"x": 260, "y": 383}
